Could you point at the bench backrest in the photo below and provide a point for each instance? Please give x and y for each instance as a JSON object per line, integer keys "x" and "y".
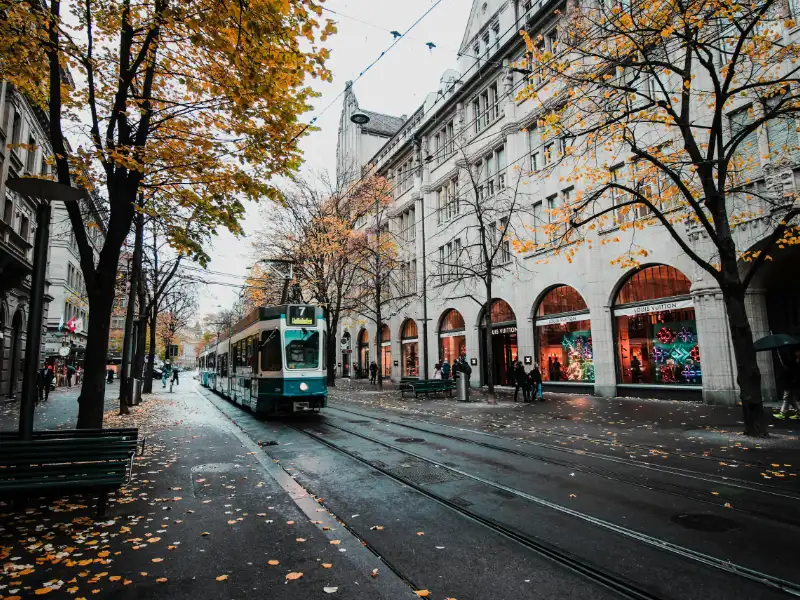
{"x": 19, "y": 456}
{"x": 123, "y": 432}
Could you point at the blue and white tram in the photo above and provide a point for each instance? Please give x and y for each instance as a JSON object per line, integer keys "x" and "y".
{"x": 273, "y": 361}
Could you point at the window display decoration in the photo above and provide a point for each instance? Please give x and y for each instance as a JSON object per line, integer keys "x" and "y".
{"x": 691, "y": 371}
{"x": 694, "y": 353}
{"x": 665, "y": 335}
{"x": 678, "y": 360}
{"x": 686, "y": 335}
{"x": 580, "y": 366}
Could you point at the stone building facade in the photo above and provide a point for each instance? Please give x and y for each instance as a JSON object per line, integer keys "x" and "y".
{"x": 657, "y": 330}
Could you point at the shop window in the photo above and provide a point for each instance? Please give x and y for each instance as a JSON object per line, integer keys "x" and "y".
{"x": 409, "y": 349}
{"x": 271, "y": 350}
{"x": 656, "y": 332}
{"x": 452, "y": 338}
{"x": 564, "y": 336}
{"x": 409, "y": 329}
{"x": 502, "y": 312}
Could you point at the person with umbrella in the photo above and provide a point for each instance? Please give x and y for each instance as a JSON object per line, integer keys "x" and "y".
{"x": 789, "y": 379}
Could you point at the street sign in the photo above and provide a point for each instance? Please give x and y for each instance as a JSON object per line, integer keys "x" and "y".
{"x": 528, "y": 360}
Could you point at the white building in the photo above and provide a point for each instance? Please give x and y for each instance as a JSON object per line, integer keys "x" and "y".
{"x": 24, "y": 146}
{"x": 658, "y": 330}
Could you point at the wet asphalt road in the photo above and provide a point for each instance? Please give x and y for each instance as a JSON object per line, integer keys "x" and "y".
{"x": 471, "y": 516}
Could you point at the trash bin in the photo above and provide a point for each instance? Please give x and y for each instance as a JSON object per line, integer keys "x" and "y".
{"x": 462, "y": 387}
{"x": 137, "y": 391}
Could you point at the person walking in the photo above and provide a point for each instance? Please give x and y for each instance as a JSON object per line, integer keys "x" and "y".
{"x": 165, "y": 373}
{"x": 109, "y": 374}
{"x": 556, "y": 370}
{"x": 437, "y": 371}
{"x": 40, "y": 384}
{"x": 535, "y": 379}
{"x": 790, "y": 382}
{"x": 445, "y": 368}
{"x": 520, "y": 380}
{"x": 373, "y": 372}
{"x": 175, "y": 377}
{"x": 70, "y": 374}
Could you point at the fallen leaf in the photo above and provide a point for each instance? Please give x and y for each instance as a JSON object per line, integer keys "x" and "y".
{"x": 326, "y": 565}
{"x": 161, "y": 580}
{"x": 300, "y": 539}
{"x": 231, "y": 522}
{"x": 290, "y": 522}
{"x": 420, "y": 533}
{"x": 336, "y": 542}
{"x": 374, "y": 573}
{"x": 715, "y": 493}
{"x": 114, "y": 578}
{"x": 292, "y": 576}
{"x": 273, "y": 562}
{"x": 157, "y": 560}
{"x": 222, "y": 578}
{"x": 727, "y": 505}
{"x": 573, "y": 496}
{"x": 330, "y": 590}
{"x": 205, "y": 533}
{"x": 377, "y": 527}
{"x": 43, "y": 591}
{"x": 422, "y": 593}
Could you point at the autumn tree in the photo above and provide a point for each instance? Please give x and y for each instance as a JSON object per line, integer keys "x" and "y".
{"x": 312, "y": 230}
{"x": 381, "y": 284}
{"x": 484, "y": 212}
{"x": 655, "y": 110}
{"x": 199, "y": 98}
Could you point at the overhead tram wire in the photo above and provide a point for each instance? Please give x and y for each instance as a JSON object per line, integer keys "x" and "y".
{"x": 364, "y": 71}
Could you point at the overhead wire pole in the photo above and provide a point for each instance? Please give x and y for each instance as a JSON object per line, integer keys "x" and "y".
{"x": 418, "y": 148}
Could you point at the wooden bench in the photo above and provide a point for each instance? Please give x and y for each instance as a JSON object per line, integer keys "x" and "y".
{"x": 54, "y": 466}
{"x": 50, "y": 434}
{"x": 429, "y": 386}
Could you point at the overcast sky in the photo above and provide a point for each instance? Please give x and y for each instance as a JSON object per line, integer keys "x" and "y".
{"x": 396, "y": 85}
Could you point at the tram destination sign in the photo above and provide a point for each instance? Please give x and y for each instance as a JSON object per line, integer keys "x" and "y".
{"x": 305, "y": 316}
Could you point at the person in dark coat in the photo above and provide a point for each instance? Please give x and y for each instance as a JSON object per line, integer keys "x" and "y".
{"x": 520, "y": 379}
{"x": 373, "y": 371}
{"x": 556, "y": 370}
{"x": 175, "y": 377}
{"x": 445, "y": 369}
{"x": 44, "y": 379}
{"x": 535, "y": 379}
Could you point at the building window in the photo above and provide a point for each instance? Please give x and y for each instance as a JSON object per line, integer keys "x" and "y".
{"x": 452, "y": 337}
{"x": 656, "y": 333}
{"x": 8, "y": 210}
{"x": 491, "y": 173}
{"x": 539, "y": 222}
{"x": 409, "y": 349}
{"x": 24, "y": 228}
{"x": 504, "y": 248}
{"x": 16, "y": 130}
{"x": 30, "y": 162}
{"x": 486, "y": 107}
{"x": 564, "y": 336}
{"x": 444, "y": 143}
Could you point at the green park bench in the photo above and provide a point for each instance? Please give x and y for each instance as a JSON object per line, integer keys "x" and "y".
{"x": 428, "y": 386}
{"x": 124, "y": 432}
{"x": 49, "y": 466}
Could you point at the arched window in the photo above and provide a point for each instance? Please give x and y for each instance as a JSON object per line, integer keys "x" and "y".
{"x": 16, "y": 130}
{"x": 386, "y": 335}
{"x": 564, "y": 336}
{"x": 24, "y": 228}
{"x": 363, "y": 352}
{"x": 386, "y": 351}
{"x": 656, "y": 333}
{"x": 452, "y": 339}
{"x": 409, "y": 348}
{"x": 504, "y": 343}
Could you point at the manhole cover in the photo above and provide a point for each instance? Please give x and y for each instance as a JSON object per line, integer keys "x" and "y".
{"x": 409, "y": 440}
{"x": 711, "y": 523}
{"x": 423, "y": 473}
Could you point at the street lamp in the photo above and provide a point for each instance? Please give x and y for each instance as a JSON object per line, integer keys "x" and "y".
{"x": 46, "y": 191}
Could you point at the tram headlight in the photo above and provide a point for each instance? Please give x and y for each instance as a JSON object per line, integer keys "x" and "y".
{"x": 303, "y": 387}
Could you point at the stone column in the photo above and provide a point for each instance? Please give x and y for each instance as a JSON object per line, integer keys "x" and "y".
{"x": 716, "y": 353}
{"x": 604, "y": 349}
{"x": 472, "y": 335}
{"x": 525, "y": 339}
{"x": 756, "y": 306}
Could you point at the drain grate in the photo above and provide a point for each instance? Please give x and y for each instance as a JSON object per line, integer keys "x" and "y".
{"x": 710, "y": 523}
{"x": 422, "y": 473}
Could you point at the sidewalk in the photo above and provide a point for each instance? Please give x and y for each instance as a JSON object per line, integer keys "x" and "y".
{"x": 636, "y": 419}
{"x": 204, "y": 517}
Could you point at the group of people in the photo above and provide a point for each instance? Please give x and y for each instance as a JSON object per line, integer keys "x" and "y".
{"x": 443, "y": 370}
{"x": 47, "y": 379}
{"x": 168, "y": 372}
{"x": 529, "y": 382}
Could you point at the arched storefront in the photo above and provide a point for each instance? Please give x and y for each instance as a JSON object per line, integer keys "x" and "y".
{"x": 386, "y": 351}
{"x": 409, "y": 349}
{"x": 452, "y": 336}
{"x": 564, "y": 337}
{"x": 363, "y": 354}
{"x": 347, "y": 353}
{"x": 655, "y": 330}
{"x": 504, "y": 343}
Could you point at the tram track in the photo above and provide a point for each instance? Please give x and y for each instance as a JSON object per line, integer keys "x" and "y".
{"x": 667, "y": 488}
{"x": 683, "y": 472}
{"x": 622, "y": 586}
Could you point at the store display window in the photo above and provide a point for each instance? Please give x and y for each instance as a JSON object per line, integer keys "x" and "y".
{"x": 564, "y": 336}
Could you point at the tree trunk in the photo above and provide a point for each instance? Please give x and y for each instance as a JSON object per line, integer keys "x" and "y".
{"x": 151, "y": 355}
{"x": 748, "y": 375}
{"x": 91, "y": 402}
{"x": 141, "y": 331}
{"x": 489, "y": 349}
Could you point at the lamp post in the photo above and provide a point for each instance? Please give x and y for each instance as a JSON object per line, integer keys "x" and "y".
{"x": 46, "y": 191}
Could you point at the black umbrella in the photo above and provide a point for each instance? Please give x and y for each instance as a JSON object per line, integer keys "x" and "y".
{"x": 776, "y": 342}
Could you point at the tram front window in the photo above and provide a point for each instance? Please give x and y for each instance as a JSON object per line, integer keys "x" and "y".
{"x": 302, "y": 349}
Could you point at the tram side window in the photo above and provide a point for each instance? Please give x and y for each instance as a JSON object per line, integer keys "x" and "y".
{"x": 324, "y": 349}
{"x": 302, "y": 349}
{"x": 253, "y": 354}
{"x": 271, "y": 350}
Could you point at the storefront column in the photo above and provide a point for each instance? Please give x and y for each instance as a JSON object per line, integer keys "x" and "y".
{"x": 605, "y": 371}
{"x": 716, "y": 354}
{"x": 756, "y": 306}
{"x": 525, "y": 342}
{"x": 473, "y": 335}
{"x": 397, "y": 366}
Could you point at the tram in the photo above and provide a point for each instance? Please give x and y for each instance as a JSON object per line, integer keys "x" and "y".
{"x": 272, "y": 361}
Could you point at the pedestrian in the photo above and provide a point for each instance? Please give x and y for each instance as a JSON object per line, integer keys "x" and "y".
{"x": 70, "y": 374}
{"x": 175, "y": 377}
{"x": 40, "y": 384}
{"x": 79, "y": 376}
{"x": 445, "y": 368}
{"x": 165, "y": 373}
{"x": 109, "y": 374}
{"x": 556, "y": 370}
{"x": 437, "y": 371}
{"x": 373, "y": 372}
{"x": 789, "y": 378}
{"x": 520, "y": 379}
{"x": 636, "y": 369}
{"x": 535, "y": 379}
